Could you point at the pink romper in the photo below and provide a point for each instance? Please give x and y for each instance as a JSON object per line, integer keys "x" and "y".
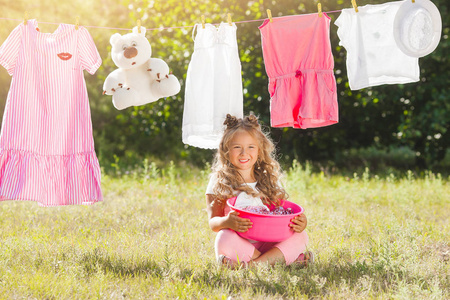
{"x": 46, "y": 145}
{"x": 299, "y": 63}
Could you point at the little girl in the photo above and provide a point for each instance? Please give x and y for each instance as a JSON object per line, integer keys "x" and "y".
{"x": 245, "y": 167}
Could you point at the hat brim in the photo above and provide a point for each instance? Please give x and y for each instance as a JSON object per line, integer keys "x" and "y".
{"x": 417, "y": 27}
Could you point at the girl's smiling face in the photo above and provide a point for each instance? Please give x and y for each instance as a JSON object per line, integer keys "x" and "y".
{"x": 243, "y": 153}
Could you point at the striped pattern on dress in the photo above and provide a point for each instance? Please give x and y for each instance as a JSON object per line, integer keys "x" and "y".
{"x": 46, "y": 146}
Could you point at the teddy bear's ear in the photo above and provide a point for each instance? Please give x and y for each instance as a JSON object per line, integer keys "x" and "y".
{"x": 114, "y": 38}
{"x": 136, "y": 31}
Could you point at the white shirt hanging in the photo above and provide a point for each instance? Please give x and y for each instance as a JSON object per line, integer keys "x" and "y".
{"x": 373, "y": 57}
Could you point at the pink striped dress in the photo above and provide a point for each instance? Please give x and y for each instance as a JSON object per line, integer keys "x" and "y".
{"x": 46, "y": 146}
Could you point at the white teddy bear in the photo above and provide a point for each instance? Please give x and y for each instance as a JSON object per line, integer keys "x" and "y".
{"x": 140, "y": 78}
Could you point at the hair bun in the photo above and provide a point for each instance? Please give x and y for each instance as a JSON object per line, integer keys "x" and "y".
{"x": 230, "y": 121}
{"x": 252, "y": 119}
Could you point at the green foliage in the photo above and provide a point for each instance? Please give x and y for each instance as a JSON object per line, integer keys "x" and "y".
{"x": 384, "y": 117}
{"x": 374, "y": 238}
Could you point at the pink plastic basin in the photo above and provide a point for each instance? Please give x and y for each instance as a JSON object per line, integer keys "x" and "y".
{"x": 268, "y": 228}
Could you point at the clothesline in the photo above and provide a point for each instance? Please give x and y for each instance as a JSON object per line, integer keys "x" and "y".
{"x": 163, "y": 28}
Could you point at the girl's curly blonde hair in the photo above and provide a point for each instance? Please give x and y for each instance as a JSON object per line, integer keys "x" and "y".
{"x": 266, "y": 170}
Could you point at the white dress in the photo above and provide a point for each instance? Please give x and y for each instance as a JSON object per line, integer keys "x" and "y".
{"x": 213, "y": 85}
{"x": 373, "y": 57}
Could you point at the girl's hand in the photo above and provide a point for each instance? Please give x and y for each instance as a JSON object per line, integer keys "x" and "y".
{"x": 299, "y": 223}
{"x": 237, "y": 223}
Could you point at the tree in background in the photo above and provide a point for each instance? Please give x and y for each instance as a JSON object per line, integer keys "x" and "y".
{"x": 414, "y": 115}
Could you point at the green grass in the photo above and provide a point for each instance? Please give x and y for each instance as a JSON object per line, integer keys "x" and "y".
{"x": 374, "y": 238}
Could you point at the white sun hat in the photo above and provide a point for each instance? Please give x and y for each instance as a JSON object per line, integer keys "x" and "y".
{"x": 417, "y": 27}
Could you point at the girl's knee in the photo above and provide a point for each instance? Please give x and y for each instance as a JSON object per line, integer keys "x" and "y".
{"x": 230, "y": 244}
{"x": 225, "y": 240}
{"x": 301, "y": 238}
{"x": 226, "y": 235}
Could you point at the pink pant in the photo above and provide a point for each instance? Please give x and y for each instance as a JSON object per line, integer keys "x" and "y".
{"x": 230, "y": 244}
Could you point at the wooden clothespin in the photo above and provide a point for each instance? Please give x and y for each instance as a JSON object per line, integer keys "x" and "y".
{"x": 77, "y": 22}
{"x": 356, "y": 6}
{"x": 319, "y": 8}
{"x": 139, "y": 25}
{"x": 203, "y": 21}
{"x": 25, "y": 18}
{"x": 269, "y": 14}
{"x": 229, "y": 20}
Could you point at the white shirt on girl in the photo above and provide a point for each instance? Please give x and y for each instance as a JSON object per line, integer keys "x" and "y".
{"x": 243, "y": 199}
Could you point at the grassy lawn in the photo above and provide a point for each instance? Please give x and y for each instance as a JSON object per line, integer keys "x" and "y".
{"x": 376, "y": 238}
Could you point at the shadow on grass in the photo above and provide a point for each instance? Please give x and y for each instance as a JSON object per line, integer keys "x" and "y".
{"x": 316, "y": 280}
{"x": 92, "y": 262}
{"x": 380, "y": 276}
